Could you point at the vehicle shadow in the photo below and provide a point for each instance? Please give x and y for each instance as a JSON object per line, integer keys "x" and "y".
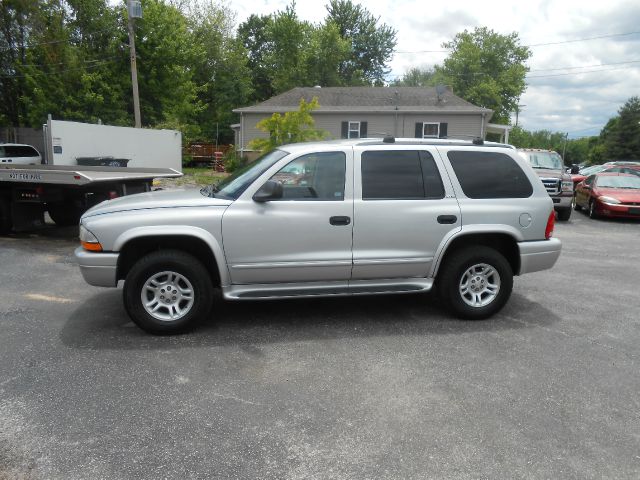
{"x": 101, "y": 322}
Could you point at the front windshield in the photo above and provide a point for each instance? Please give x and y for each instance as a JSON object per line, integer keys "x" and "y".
{"x": 618, "y": 182}
{"x": 232, "y": 186}
{"x": 592, "y": 169}
{"x": 549, "y": 160}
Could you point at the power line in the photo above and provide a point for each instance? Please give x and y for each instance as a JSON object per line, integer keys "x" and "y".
{"x": 538, "y": 44}
{"x": 53, "y": 42}
{"x": 583, "y": 66}
{"x": 86, "y": 67}
{"x": 582, "y": 39}
{"x": 580, "y": 73}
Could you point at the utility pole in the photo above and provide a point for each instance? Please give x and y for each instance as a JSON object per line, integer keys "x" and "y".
{"x": 518, "y": 112}
{"x": 134, "y": 11}
{"x": 564, "y": 147}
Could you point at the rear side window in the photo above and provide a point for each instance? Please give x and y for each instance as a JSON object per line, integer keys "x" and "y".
{"x": 400, "y": 175}
{"x": 19, "y": 151}
{"x": 489, "y": 175}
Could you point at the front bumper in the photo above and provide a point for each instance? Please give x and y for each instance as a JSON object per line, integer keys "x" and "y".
{"x": 539, "y": 255}
{"x": 563, "y": 200}
{"x": 98, "y": 269}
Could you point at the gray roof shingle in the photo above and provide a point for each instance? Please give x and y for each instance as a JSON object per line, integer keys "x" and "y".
{"x": 367, "y": 99}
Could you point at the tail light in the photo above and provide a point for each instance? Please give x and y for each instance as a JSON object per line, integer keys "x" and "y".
{"x": 551, "y": 223}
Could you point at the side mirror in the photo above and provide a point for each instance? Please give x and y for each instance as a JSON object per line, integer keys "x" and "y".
{"x": 271, "y": 190}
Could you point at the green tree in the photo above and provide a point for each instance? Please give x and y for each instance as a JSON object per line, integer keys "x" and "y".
{"x": 292, "y": 127}
{"x": 167, "y": 52}
{"x": 487, "y": 69}
{"x": 324, "y": 54}
{"x": 621, "y": 136}
{"x": 290, "y": 38}
{"x": 222, "y": 74}
{"x": 417, "y": 77}
{"x": 255, "y": 35}
{"x": 372, "y": 44}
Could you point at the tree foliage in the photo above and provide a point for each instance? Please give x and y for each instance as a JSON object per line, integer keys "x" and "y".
{"x": 292, "y": 127}
{"x": 372, "y": 44}
{"x": 350, "y": 47}
{"x": 621, "y": 136}
{"x": 487, "y": 69}
{"x": 417, "y": 77}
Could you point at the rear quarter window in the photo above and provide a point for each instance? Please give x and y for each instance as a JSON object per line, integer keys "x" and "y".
{"x": 489, "y": 175}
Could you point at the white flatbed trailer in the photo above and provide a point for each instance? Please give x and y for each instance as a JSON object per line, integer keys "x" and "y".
{"x": 27, "y": 191}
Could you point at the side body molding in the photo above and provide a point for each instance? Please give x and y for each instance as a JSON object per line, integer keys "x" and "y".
{"x": 178, "y": 230}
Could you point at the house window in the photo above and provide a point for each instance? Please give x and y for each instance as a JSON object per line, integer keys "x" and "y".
{"x": 354, "y": 130}
{"x": 430, "y": 130}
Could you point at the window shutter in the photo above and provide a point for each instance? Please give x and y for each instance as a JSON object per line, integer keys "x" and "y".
{"x": 345, "y": 130}
{"x": 418, "y": 129}
{"x": 443, "y": 129}
{"x": 363, "y": 129}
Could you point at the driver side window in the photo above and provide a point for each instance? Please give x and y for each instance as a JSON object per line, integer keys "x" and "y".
{"x": 316, "y": 176}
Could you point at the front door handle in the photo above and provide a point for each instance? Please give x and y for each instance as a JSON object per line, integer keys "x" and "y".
{"x": 339, "y": 220}
{"x": 447, "y": 219}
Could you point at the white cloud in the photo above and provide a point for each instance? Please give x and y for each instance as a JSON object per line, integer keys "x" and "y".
{"x": 580, "y": 103}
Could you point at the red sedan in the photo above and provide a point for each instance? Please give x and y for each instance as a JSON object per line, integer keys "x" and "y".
{"x": 609, "y": 195}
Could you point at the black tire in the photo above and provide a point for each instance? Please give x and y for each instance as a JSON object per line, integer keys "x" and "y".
{"x": 65, "y": 214}
{"x": 179, "y": 263}
{"x": 456, "y": 267}
{"x": 592, "y": 210}
{"x": 6, "y": 222}
{"x": 564, "y": 214}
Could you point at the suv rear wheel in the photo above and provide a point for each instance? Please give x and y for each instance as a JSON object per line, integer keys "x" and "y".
{"x": 475, "y": 282}
{"x": 167, "y": 292}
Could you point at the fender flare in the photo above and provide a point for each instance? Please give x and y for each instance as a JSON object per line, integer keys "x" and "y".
{"x": 178, "y": 230}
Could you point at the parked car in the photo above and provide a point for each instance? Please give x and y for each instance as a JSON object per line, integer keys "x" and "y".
{"x": 612, "y": 167}
{"x": 347, "y": 217}
{"x": 550, "y": 168}
{"x": 609, "y": 194}
{"x": 18, "y": 154}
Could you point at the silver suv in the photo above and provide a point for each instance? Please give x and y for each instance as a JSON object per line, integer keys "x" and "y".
{"x": 349, "y": 217}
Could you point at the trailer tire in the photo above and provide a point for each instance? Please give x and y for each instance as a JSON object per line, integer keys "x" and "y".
{"x": 65, "y": 214}
{"x": 6, "y": 222}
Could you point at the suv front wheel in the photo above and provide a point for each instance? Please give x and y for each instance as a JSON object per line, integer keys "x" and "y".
{"x": 475, "y": 282}
{"x": 167, "y": 292}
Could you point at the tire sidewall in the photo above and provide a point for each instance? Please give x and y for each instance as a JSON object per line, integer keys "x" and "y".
{"x": 456, "y": 267}
{"x": 177, "y": 262}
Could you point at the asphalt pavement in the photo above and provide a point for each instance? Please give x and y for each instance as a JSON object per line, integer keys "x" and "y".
{"x": 387, "y": 387}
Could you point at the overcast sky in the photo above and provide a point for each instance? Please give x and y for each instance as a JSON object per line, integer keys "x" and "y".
{"x": 573, "y": 87}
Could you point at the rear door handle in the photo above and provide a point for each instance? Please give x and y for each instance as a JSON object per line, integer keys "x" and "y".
{"x": 339, "y": 220}
{"x": 447, "y": 219}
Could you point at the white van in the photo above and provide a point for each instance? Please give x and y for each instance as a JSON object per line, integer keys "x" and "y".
{"x": 17, "y": 154}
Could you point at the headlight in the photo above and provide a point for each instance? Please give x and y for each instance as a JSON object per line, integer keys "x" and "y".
{"x": 567, "y": 186}
{"x": 609, "y": 200}
{"x": 88, "y": 240}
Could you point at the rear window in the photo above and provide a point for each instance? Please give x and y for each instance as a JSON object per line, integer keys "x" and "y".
{"x": 19, "y": 151}
{"x": 400, "y": 175}
{"x": 489, "y": 175}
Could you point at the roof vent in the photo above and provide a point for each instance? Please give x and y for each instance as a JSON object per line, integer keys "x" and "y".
{"x": 317, "y": 86}
{"x": 478, "y": 141}
{"x": 389, "y": 139}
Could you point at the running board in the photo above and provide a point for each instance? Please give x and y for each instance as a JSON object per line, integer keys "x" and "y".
{"x": 326, "y": 289}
